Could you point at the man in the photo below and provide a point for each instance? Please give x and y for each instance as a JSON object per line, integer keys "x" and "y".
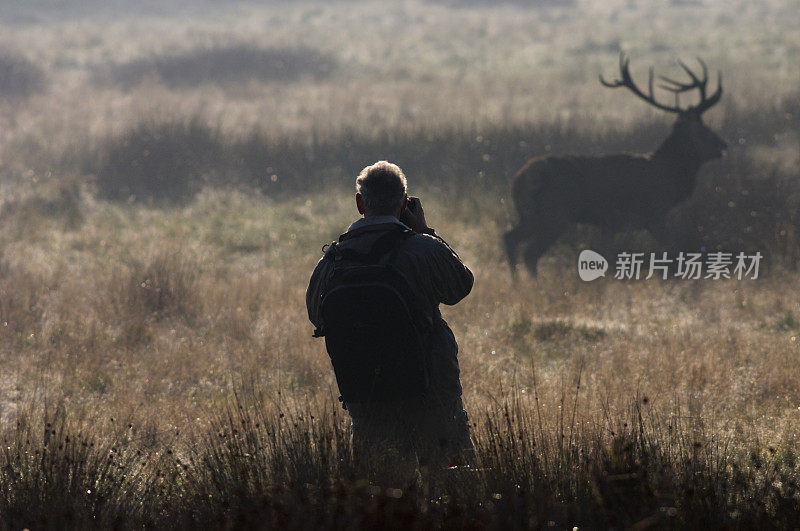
{"x": 431, "y": 425}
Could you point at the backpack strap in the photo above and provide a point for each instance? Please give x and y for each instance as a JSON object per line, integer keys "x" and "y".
{"x": 383, "y": 250}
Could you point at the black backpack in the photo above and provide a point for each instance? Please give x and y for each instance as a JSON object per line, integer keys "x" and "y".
{"x": 375, "y": 331}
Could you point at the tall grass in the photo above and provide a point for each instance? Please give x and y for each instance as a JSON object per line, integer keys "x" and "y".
{"x": 741, "y": 203}
{"x": 261, "y": 464}
{"x": 57, "y": 473}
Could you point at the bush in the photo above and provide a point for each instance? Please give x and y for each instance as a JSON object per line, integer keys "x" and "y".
{"x": 63, "y": 202}
{"x": 18, "y": 76}
{"x": 157, "y": 162}
{"x": 224, "y": 66}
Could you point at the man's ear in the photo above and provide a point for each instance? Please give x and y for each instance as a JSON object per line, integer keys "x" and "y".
{"x": 405, "y": 204}
{"x": 360, "y": 204}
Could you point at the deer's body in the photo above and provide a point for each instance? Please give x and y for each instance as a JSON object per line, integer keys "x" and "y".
{"x": 614, "y": 192}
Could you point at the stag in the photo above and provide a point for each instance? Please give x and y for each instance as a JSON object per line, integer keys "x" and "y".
{"x": 621, "y": 191}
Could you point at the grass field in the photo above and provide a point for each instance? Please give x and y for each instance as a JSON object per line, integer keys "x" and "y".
{"x": 169, "y": 175}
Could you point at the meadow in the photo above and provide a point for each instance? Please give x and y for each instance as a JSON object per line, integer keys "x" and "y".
{"x": 168, "y": 176}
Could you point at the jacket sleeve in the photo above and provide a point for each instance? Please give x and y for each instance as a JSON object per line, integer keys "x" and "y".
{"x": 451, "y": 280}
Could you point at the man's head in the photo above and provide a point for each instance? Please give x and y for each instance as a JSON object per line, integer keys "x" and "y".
{"x": 381, "y": 190}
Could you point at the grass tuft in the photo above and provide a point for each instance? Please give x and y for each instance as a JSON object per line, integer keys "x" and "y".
{"x": 55, "y": 473}
{"x": 161, "y": 288}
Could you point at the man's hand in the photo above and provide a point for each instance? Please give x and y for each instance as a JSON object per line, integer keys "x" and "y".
{"x": 414, "y": 216}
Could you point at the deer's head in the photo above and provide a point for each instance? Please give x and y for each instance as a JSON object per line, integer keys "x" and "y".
{"x": 690, "y": 136}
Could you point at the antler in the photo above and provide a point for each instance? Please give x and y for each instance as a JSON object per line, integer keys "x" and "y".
{"x": 675, "y": 87}
{"x": 627, "y": 81}
{"x": 678, "y": 88}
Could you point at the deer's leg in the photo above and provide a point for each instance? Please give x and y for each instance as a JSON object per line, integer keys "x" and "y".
{"x": 662, "y": 234}
{"x": 546, "y": 235}
{"x": 511, "y": 241}
{"x": 607, "y": 241}
{"x": 678, "y": 237}
{"x": 673, "y": 241}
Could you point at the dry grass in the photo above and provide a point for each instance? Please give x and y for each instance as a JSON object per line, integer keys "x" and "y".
{"x": 161, "y": 342}
{"x": 158, "y": 368}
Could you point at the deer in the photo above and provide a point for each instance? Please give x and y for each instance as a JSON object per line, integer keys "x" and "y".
{"x": 617, "y": 192}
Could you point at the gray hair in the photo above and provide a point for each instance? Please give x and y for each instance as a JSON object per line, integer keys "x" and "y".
{"x": 382, "y": 187}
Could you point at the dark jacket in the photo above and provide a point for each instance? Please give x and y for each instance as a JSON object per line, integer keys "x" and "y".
{"x": 433, "y": 270}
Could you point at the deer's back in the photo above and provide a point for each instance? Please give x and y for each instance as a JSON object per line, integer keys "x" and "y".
{"x": 606, "y": 189}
